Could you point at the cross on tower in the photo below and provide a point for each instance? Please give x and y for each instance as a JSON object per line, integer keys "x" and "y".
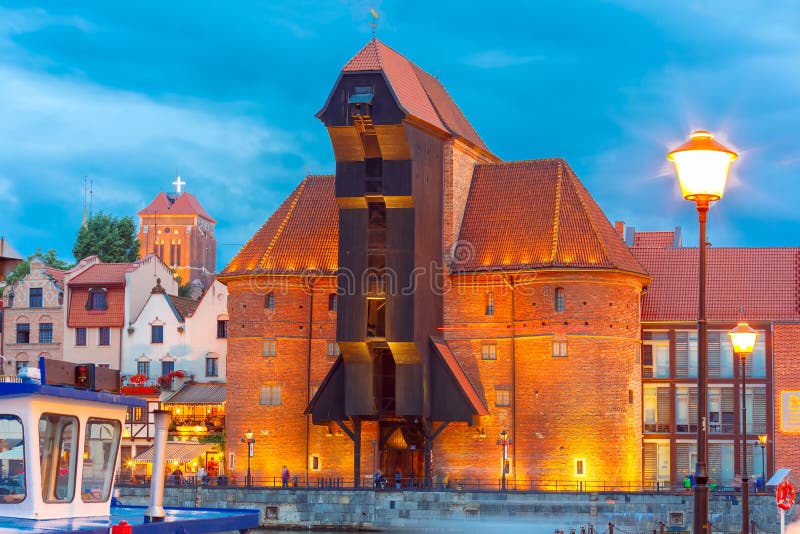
{"x": 178, "y": 183}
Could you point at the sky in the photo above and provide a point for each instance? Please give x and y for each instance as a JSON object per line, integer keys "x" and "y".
{"x": 225, "y": 95}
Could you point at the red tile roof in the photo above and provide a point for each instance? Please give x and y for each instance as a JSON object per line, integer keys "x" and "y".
{"x": 184, "y": 306}
{"x": 754, "y": 284}
{"x": 183, "y": 204}
{"x": 536, "y": 214}
{"x": 653, "y": 239}
{"x": 302, "y": 235}
{"x": 417, "y": 92}
{"x": 56, "y": 274}
{"x": 103, "y": 274}
{"x": 80, "y": 317}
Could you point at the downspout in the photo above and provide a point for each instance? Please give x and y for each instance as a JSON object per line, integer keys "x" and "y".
{"x": 510, "y": 283}
{"x": 308, "y": 369}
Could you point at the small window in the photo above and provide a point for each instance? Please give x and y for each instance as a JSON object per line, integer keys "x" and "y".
{"x": 269, "y": 348}
{"x": 35, "y": 297}
{"x": 104, "y": 336}
{"x": 580, "y": 467}
{"x": 332, "y": 302}
{"x": 376, "y": 317}
{"x": 58, "y": 439}
{"x": 333, "y": 349}
{"x": 99, "y": 458}
{"x": 222, "y": 328}
{"x": 80, "y": 337}
{"x": 11, "y": 300}
{"x": 45, "y": 332}
{"x": 97, "y": 300}
{"x": 559, "y": 299}
{"x": 143, "y": 368}
{"x": 269, "y": 301}
{"x": 559, "y": 349}
{"x": 489, "y": 351}
{"x": 270, "y": 395}
{"x": 490, "y": 303}
{"x": 157, "y": 333}
{"x": 212, "y": 366}
{"x": 21, "y": 364}
{"x": 23, "y": 333}
{"x": 11, "y": 445}
{"x": 167, "y": 367}
{"x": 314, "y": 464}
{"x": 502, "y": 397}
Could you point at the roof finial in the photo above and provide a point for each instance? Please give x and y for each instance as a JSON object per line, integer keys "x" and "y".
{"x": 374, "y": 23}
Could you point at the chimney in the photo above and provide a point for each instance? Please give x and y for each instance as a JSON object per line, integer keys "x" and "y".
{"x": 677, "y": 242}
{"x": 630, "y": 234}
{"x": 619, "y": 226}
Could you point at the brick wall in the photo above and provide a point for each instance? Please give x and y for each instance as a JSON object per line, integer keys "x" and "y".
{"x": 786, "y": 444}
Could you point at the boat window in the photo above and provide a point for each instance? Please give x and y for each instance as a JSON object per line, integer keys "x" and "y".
{"x": 99, "y": 458}
{"x": 58, "y": 440}
{"x": 12, "y": 461}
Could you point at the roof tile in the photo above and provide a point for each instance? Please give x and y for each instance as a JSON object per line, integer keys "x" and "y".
{"x": 183, "y": 204}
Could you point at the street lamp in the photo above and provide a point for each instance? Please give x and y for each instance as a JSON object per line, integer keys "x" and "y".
{"x": 743, "y": 339}
{"x": 762, "y": 440}
{"x": 702, "y": 165}
{"x": 250, "y": 440}
{"x": 504, "y": 441}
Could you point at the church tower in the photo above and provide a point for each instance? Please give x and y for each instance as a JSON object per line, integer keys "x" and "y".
{"x": 176, "y": 228}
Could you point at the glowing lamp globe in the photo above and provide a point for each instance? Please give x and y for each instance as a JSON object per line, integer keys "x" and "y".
{"x": 763, "y": 439}
{"x": 702, "y": 166}
{"x": 743, "y": 339}
{"x": 249, "y": 434}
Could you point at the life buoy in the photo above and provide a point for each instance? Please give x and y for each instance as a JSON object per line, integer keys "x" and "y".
{"x": 784, "y": 495}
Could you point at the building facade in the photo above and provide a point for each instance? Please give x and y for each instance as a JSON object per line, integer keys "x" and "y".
{"x": 400, "y": 315}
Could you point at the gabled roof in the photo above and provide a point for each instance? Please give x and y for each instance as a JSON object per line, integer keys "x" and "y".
{"x": 739, "y": 287}
{"x": 183, "y": 204}
{"x": 418, "y": 93}
{"x": 56, "y": 274}
{"x": 7, "y": 251}
{"x": 103, "y": 274}
{"x": 183, "y": 307}
{"x": 301, "y": 236}
{"x": 534, "y": 215}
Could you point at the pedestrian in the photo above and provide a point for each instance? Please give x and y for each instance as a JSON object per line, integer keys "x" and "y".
{"x": 398, "y": 477}
{"x": 285, "y": 476}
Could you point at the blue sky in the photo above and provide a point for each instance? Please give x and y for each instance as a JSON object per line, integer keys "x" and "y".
{"x": 226, "y": 92}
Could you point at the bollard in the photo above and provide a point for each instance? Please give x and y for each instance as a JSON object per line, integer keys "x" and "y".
{"x": 122, "y": 528}
{"x": 661, "y": 527}
{"x": 583, "y": 529}
{"x": 591, "y": 528}
{"x": 611, "y": 528}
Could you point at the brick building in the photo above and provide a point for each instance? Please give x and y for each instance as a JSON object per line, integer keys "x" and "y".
{"x": 176, "y": 228}
{"x": 401, "y": 314}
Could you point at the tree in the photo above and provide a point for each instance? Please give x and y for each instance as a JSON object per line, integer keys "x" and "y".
{"x": 110, "y": 238}
{"x": 24, "y": 267}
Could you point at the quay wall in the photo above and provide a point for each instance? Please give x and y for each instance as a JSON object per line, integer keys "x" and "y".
{"x": 390, "y": 509}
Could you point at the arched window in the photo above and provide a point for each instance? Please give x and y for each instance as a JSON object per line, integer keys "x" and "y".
{"x": 559, "y": 299}
{"x": 490, "y": 303}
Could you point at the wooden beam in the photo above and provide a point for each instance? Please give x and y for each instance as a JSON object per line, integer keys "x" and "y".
{"x": 346, "y": 430}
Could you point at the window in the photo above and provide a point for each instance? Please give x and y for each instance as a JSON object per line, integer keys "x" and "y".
{"x": 332, "y": 302}
{"x": 559, "y": 349}
{"x": 502, "y": 396}
{"x": 686, "y": 409}
{"x": 490, "y": 303}
{"x": 489, "y": 350}
{"x": 656, "y": 409}
{"x": 35, "y": 297}
{"x": 314, "y": 463}
{"x": 580, "y": 467}
{"x": 222, "y": 328}
{"x": 756, "y": 365}
{"x": 269, "y": 301}
{"x": 97, "y": 300}
{"x": 269, "y": 348}
{"x": 23, "y": 333}
{"x": 80, "y": 337}
{"x": 756, "y": 403}
{"x": 558, "y": 301}
{"x": 143, "y": 368}
{"x": 99, "y": 458}
{"x": 11, "y": 300}
{"x": 104, "y": 336}
{"x": 11, "y": 441}
{"x": 167, "y": 366}
{"x": 685, "y": 354}
{"x": 212, "y": 366}
{"x": 21, "y": 364}
{"x": 655, "y": 359}
{"x": 175, "y": 252}
{"x": 157, "y": 333}
{"x": 376, "y": 317}
{"x": 333, "y": 349}
{"x": 270, "y": 395}
{"x": 136, "y": 414}
{"x": 45, "y": 332}
{"x": 720, "y": 410}
{"x": 58, "y": 439}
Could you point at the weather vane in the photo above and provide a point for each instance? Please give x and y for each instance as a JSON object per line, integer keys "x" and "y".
{"x": 374, "y": 23}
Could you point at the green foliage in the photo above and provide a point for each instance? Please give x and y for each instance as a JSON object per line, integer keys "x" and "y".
{"x": 218, "y": 438}
{"x": 185, "y": 291}
{"x": 24, "y": 267}
{"x": 112, "y": 239}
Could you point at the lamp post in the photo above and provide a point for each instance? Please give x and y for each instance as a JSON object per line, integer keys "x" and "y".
{"x": 762, "y": 441}
{"x": 743, "y": 339}
{"x": 504, "y": 441}
{"x": 250, "y": 440}
{"x": 702, "y": 165}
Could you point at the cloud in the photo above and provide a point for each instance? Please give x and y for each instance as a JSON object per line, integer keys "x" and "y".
{"x": 498, "y": 59}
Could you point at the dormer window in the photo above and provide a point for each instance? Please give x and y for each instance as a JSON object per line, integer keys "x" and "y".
{"x": 97, "y": 299}
{"x": 361, "y": 101}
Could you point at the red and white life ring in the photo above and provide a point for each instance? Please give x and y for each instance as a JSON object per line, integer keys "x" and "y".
{"x": 784, "y": 495}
